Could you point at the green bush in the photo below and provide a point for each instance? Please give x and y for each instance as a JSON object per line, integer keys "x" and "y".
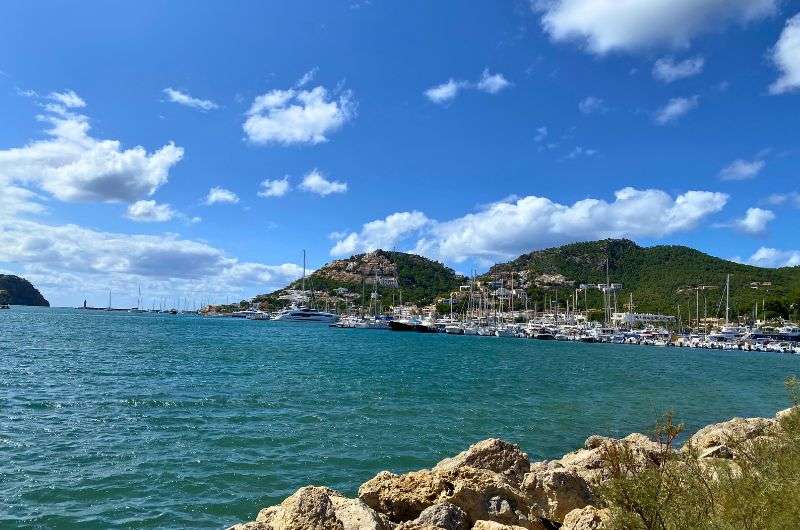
{"x": 758, "y": 489}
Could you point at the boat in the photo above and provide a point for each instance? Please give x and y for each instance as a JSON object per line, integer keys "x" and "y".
{"x": 5, "y": 306}
{"x": 305, "y": 314}
{"x": 413, "y": 324}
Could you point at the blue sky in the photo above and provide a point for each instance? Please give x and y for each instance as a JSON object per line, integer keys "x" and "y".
{"x": 466, "y": 131}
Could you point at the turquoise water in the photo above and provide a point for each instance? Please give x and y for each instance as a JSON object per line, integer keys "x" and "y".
{"x": 149, "y": 421}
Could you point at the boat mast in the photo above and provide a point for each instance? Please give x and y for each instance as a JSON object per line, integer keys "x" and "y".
{"x": 303, "y": 282}
{"x": 727, "y": 298}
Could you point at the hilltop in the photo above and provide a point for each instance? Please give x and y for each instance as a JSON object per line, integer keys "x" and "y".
{"x": 659, "y": 277}
{"x": 419, "y": 280}
{"x": 19, "y": 291}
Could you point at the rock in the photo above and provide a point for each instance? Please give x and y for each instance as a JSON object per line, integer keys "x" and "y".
{"x": 318, "y": 508}
{"x": 731, "y": 433}
{"x": 556, "y": 492}
{"x": 491, "y": 525}
{"x": 480, "y": 493}
{"x": 587, "y": 518}
{"x": 718, "y": 451}
{"x": 492, "y": 455}
{"x": 785, "y": 413}
{"x": 590, "y": 464}
{"x": 443, "y": 516}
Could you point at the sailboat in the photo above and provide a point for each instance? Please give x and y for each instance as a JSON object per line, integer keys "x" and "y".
{"x": 303, "y": 313}
{"x": 138, "y": 308}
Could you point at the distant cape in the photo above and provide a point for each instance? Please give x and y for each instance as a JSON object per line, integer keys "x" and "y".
{"x": 19, "y": 291}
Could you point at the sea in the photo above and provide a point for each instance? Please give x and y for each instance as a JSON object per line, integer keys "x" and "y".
{"x": 123, "y": 420}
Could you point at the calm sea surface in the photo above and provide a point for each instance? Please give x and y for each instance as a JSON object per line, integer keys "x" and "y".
{"x": 150, "y": 421}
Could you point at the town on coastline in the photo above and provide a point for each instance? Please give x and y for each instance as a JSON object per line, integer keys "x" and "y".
{"x": 500, "y": 304}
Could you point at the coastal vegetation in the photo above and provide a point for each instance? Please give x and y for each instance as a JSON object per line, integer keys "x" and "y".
{"x": 659, "y": 278}
{"x": 19, "y": 291}
{"x": 741, "y": 473}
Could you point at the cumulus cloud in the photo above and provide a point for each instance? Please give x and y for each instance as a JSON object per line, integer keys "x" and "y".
{"x": 381, "y": 233}
{"x": 605, "y": 26}
{"x": 81, "y": 261}
{"x": 592, "y": 105}
{"x": 297, "y": 116}
{"x": 492, "y": 83}
{"x": 447, "y": 91}
{"x": 73, "y": 166}
{"x": 509, "y": 227}
{"x": 185, "y": 99}
{"x": 773, "y": 257}
{"x": 755, "y": 221}
{"x": 315, "y": 182}
{"x": 675, "y": 109}
{"x": 274, "y": 188}
{"x": 742, "y": 169}
{"x": 668, "y": 70}
{"x": 150, "y": 212}
{"x": 217, "y": 195}
{"x": 786, "y": 56}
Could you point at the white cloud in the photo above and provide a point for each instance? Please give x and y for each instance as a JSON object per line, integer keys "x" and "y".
{"x": 742, "y": 170}
{"x": 786, "y": 56}
{"x": 381, "y": 233}
{"x": 632, "y": 25}
{"x": 592, "y": 105}
{"x": 755, "y": 221}
{"x": 218, "y": 195}
{"x": 510, "y": 227}
{"x": 667, "y": 70}
{"x": 306, "y": 78}
{"x": 185, "y": 99}
{"x": 73, "y": 261}
{"x": 492, "y": 83}
{"x": 676, "y": 108}
{"x": 274, "y": 188}
{"x": 779, "y": 199}
{"x": 150, "y": 212}
{"x": 16, "y": 200}
{"x": 315, "y": 182}
{"x": 297, "y": 116}
{"x": 68, "y": 99}
{"x": 772, "y": 257}
{"x": 446, "y": 91}
{"x": 580, "y": 151}
{"x": 73, "y": 166}
{"x": 541, "y": 134}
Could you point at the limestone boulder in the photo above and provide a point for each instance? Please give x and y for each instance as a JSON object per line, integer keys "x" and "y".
{"x": 480, "y": 493}
{"x": 493, "y": 454}
{"x": 318, "y": 508}
{"x": 556, "y": 492}
{"x": 586, "y": 518}
{"x": 590, "y": 464}
{"x": 442, "y": 516}
{"x": 492, "y": 525}
{"x": 732, "y": 433}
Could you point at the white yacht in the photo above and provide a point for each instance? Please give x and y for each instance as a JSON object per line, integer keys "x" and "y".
{"x": 303, "y": 313}
{"x": 306, "y": 314}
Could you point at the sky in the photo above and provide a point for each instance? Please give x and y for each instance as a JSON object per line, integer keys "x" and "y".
{"x": 193, "y": 150}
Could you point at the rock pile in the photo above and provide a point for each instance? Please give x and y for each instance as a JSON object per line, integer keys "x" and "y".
{"x": 494, "y": 486}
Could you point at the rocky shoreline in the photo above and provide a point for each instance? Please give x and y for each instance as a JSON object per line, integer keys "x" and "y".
{"x": 494, "y": 486}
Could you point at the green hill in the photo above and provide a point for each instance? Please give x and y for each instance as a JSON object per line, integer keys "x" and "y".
{"x": 417, "y": 279}
{"x": 660, "y": 278}
{"x": 19, "y": 291}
